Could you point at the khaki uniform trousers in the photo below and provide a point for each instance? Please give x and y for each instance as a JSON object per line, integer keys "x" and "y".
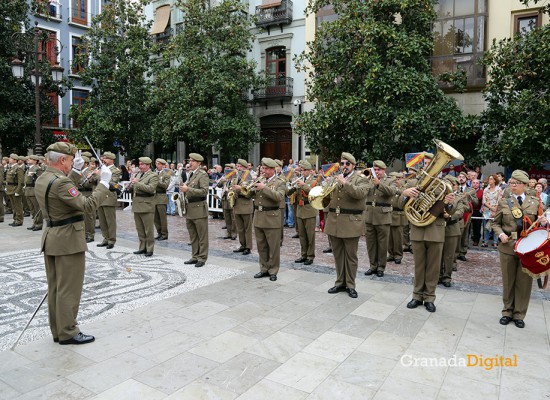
{"x": 26, "y": 204}
{"x": 516, "y": 287}
{"x": 395, "y": 242}
{"x": 145, "y": 231}
{"x": 306, "y": 231}
{"x": 448, "y": 258}
{"x": 230, "y": 222}
{"x": 427, "y": 263}
{"x": 2, "y": 209}
{"x": 161, "y": 221}
{"x": 107, "y": 223}
{"x": 407, "y": 236}
{"x": 198, "y": 231}
{"x": 268, "y": 242}
{"x": 377, "y": 237}
{"x": 345, "y": 258}
{"x": 35, "y": 212}
{"x": 244, "y": 229}
{"x": 17, "y": 208}
{"x": 65, "y": 275}
{"x": 89, "y": 219}
{"x": 463, "y": 244}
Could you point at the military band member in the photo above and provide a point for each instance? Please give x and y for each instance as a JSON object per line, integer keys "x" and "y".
{"x": 196, "y": 190}
{"x": 508, "y": 225}
{"x": 243, "y": 210}
{"x": 144, "y": 186}
{"x": 2, "y": 191}
{"x": 227, "y": 206}
{"x": 107, "y": 210}
{"x": 279, "y": 173}
{"x": 306, "y": 215}
{"x": 33, "y": 172}
{"x": 63, "y": 240}
{"x": 267, "y": 219}
{"x": 15, "y": 178}
{"x": 462, "y": 247}
{"x": 161, "y": 221}
{"x": 398, "y": 221}
{"x": 345, "y": 223}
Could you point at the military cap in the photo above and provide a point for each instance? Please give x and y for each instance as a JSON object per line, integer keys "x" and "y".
{"x": 244, "y": 163}
{"x": 463, "y": 173}
{"x": 349, "y": 157}
{"x": 413, "y": 169}
{"x": 451, "y": 179}
{"x": 268, "y": 162}
{"x": 14, "y": 156}
{"x": 87, "y": 154}
{"x": 305, "y": 165}
{"x": 5, "y": 158}
{"x": 145, "y": 160}
{"x": 108, "y": 155}
{"x": 161, "y": 161}
{"x": 229, "y": 165}
{"x": 23, "y": 158}
{"x": 86, "y": 159}
{"x": 278, "y": 162}
{"x": 63, "y": 148}
{"x": 428, "y": 155}
{"x": 521, "y": 176}
{"x": 34, "y": 157}
{"x": 93, "y": 159}
{"x": 196, "y": 157}
{"x": 379, "y": 164}
{"x": 41, "y": 158}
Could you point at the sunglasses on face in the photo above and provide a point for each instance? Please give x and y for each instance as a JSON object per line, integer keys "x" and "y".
{"x": 345, "y": 163}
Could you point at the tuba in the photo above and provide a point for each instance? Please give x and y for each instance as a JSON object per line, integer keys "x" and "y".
{"x": 424, "y": 209}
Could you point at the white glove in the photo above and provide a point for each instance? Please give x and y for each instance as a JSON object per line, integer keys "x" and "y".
{"x": 17, "y": 194}
{"x": 105, "y": 176}
{"x": 78, "y": 161}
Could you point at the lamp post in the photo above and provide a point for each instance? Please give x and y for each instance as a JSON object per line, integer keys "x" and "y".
{"x": 298, "y": 103}
{"x": 18, "y": 70}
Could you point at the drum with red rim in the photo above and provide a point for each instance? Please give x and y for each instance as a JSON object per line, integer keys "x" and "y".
{"x": 534, "y": 252}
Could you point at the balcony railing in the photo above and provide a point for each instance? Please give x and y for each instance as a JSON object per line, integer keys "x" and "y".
{"x": 475, "y": 73}
{"x": 51, "y": 11}
{"x": 277, "y": 88}
{"x": 163, "y": 37}
{"x": 58, "y": 122}
{"x": 279, "y": 15}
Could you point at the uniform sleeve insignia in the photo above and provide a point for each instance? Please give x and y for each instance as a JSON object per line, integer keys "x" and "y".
{"x": 73, "y": 192}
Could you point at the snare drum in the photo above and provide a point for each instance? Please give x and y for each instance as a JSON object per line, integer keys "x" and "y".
{"x": 533, "y": 251}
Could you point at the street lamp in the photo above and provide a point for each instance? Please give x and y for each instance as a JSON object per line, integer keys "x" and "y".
{"x": 18, "y": 70}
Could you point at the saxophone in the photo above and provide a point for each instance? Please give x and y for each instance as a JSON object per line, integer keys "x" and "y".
{"x": 424, "y": 209}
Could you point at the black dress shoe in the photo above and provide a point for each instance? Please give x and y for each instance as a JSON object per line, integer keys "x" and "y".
{"x": 160, "y": 239}
{"x": 89, "y": 240}
{"x": 390, "y": 259}
{"x": 36, "y": 228}
{"x": 234, "y": 238}
{"x": 461, "y": 258}
{"x": 79, "y": 338}
{"x": 199, "y": 264}
{"x": 140, "y": 252}
{"x": 296, "y": 236}
{"x": 414, "y": 303}
{"x": 447, "y": 284}
{"x": 239, "y": 250}
{"x": 380, "y": 274}
{"x": 519, "y": 323}
{"x": 261, "y": 275}
{"x": 327, "y": 251}
{"x": 352, "y": 293}
{"x": 226, "y": 237}
{"x": 191, "y": 261}
{"x": 407, "y": 250}
{"x": 110, "y": 246}
{"x": 308, "y": 262}
{"x": 149, "y": 254}
{"x": 300, "y": 260}
{"x": 224, "y": 227}
{"x": 336, "y": 289}
{"x": 56, "y": 340}
{"x": 370, "y": 272}
{"x": 273, "y": 278}
{"x": 102, "y": 244}
{"x": 398, "y": 261}
{"x": 429, "y": 306}
{"x": 14, "y": 225}
{"x": 246, "y": 252}
{"x": 505, "y": 320}
{"x": 30, "y": 228}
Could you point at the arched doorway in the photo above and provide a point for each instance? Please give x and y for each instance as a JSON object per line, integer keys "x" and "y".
{"x": 276, "y": 137}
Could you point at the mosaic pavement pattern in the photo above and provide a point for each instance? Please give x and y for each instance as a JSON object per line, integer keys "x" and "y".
{"x": 116, "y": 280}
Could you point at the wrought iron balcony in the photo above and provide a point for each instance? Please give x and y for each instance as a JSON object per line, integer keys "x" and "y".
{"x": 278, "y": 15}
{"x": 163, "y": 37}
{"x": 277, "y": 88}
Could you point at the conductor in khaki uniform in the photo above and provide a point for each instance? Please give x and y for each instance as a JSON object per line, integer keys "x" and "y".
{"x": 378, "y": 216}
{"x": 243, "y": 210}
{"x": 196, "y": 190}
{"x": 345, "y": 223}
{"x": 507, "y": 225}
{"x": 63, "y": 240}
{"x": 161, "y": 221}
{"x": 31, "y": 176}
{"x": 305, "y": 213}
{"x": 427, "y": 245}
{"x": 15, "y": 178}
{"x": 144, "y": 186}
{"x": 267, "y": 219}
{"x": 107, "y": 210}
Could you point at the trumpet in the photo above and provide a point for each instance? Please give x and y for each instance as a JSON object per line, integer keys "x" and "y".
{"x": 247, "y": 189}
{"x": 291, "y": 185}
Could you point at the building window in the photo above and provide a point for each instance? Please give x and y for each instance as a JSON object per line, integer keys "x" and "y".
{"x": 79, "y": 11}
{"x": 525, "y": 23}
{"x": 78, "y": 49}
{"x": 161, "y": 29}
{"x": 276, "y": 62}
{"x": 459, "y": 38}
{"x": 79, "y": 99}
{"x": 47, "y": 46}
{"x": 54, "y": 99}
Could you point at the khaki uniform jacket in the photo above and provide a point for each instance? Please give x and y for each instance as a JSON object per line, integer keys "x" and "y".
{"x": 162, "y": 185}
{"x": 144, "y": 193}
{"x": 87, "y": 185}
{"x": 306, "y": 210}
{"x": 380, "y": 194}
{"x": 198, "y": 189}
{"x": 461, "y": 205}
{"x": 243, "y": 205}
{"x": 505, "y": 222}
{"x": 270, "y": 196}
{"x": 115, "y": 178}
{"x": 15, "y": 179}
{"x": 2, "y": 171}
{"x": 65, "y": 201}
{"x": 31, "y": 176}
{"x": 398, "y": 217}
{"x": 351, "y": 196}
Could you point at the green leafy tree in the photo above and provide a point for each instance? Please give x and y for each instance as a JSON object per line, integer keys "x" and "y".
{"x": 201, "y": 99}
{"x": 115, "y": 60}
{"x": 516, "y": 122}
{"x": 371, "y": 82}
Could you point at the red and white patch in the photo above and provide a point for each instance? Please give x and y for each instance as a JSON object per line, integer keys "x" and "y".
{"x": 73, "y": 192}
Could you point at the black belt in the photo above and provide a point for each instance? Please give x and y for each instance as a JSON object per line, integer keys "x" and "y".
{"x": 66, "y": 221}
{"x": 452, "y": 222}
{"x": 145, "y": 194}
{"x": 345, "y": 211}
{"x": 195, "y": 199}
{"x": 397, "y": 209}
{"x": 112, "y": 190}
{"x": 262, "y": 208}
{"x": 29, "y": 185}
{"x": 159, "y": 192}
{"x": 375, "y": 204}
{"x": 242, "y": 197}
{"x": 11, "y": 184}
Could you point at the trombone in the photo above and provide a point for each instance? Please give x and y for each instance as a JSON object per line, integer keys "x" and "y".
{"x": 247, "y": 189}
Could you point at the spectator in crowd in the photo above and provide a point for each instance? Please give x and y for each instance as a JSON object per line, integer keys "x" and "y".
{"x": 491, "y": 196}
{"x": 125, "y": 176}
{"x": 532, "y": 183}
{"x": 543, "y": 197}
